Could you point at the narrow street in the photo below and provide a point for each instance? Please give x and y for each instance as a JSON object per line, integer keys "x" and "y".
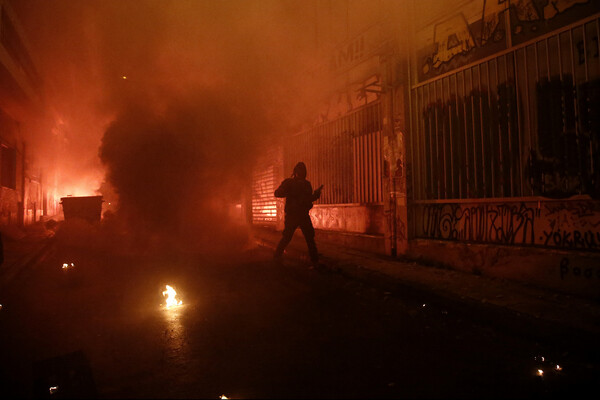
{"x": 249, "y": 328}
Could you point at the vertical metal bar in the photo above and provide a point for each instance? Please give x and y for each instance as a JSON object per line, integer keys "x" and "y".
{"x": 428, "y": 151}
{"x": 329, "y": 159}
{"x": 572, "y": 59}
{"x": 414, "y": 133}
{"x": 481, "y": 133}
{"x": 585, "y": 55}
{"x": 456, "y": 158}
{"x": 500, "y": 153}
{"x": 467, "y": 164}
{"x": 411, "y": 125}
{"x": 509, "y": 128}
{"x": 329, "y": 154}
{"x": 339, "y": 144}
{"x": 333, "y": 145}
{"x": 437, "y": 140}
{"x": 547, "y": 58}
{"x": 421, "y": 144}
{"x": 475, "y": 174}
{"x": 560, "y": 71}
{"x": 371, "y": 140}
{"x": 592, "y": 166}
{"x": 359, "y": 159}
{"x": 451, "y": 135}
{"x": 372, "y": 166}
{"x": 492, "y": 167}
{"x": 364, "y": 165}
{"x": 528, "y": 102}
{"x": 537, "y": 66}
{"x": 315, "y": 151}
{"x": 354, "y": 162}
{"x": 442, "y": 100}
{"x": 374, "y": 162}
{"x": 448, "y": 101}
{"x": 368, "y": 165}
{"x": 519, "y": 123}
{"x": 361, "y": 169}
{"x": 379, "y": 174}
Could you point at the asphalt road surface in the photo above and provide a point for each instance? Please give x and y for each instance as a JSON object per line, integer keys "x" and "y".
{"x": 249, "y": 328}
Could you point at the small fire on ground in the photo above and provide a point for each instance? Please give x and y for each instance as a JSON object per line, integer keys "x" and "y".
{"x": 67, "y": 266}
{"x": 170, "y": 294}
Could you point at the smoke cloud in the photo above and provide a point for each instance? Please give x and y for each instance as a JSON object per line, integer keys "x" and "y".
{"x": 169, "y": 102}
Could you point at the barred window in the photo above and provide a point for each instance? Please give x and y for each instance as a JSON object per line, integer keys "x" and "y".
{"x": 344, "y": 155}
{"x": 518, "y": 124}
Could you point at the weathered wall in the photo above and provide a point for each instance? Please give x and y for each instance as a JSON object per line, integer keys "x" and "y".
{"x": 567, "y": 224}
{"x": 551, "y": 243}
{"x": 349, "y": 218}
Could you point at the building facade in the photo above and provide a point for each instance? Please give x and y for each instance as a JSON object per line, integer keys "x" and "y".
{"x": 463, "y": 132}
{"x": 24, "y": 196}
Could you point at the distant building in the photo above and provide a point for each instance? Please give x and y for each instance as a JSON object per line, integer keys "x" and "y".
{"x": 24, "y": 197}
{"x": 462, "y": 132}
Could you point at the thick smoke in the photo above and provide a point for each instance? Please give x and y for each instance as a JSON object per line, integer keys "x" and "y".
{"x": 180, "y": 96}
{"x": 179, "y": 171}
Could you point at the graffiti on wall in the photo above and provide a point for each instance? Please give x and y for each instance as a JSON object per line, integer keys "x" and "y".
{"x": 359, "y": 48}
{"x": 577, "y": 271}
{"x": 494, "y": 223}
{"x": 531, "y": 18}
{"x": 480, "y": 29}
{"x": 352, "y": 97}
{"x": 569, "y": 224}
{"x": 463, "y": 38}
{"x": 358, "y": 219}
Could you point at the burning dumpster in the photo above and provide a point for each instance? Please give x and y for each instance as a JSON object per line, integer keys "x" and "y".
{"x": 88, "y": 208}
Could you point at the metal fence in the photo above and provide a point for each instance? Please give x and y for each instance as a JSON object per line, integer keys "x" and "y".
{"x": 344, "y": 155}
{"x": 524, "y": 122}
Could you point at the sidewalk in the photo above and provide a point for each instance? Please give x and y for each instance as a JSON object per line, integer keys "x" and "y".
{"x": 496, "y": 295}
{"x": 22, "y": 248}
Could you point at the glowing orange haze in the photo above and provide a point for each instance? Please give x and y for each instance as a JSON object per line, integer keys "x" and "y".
{"x": 191, "y": 67}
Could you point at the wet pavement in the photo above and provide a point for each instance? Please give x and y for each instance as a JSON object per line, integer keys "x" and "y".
{"x": 249, "y": 328}
{"x": 558, "y": 310}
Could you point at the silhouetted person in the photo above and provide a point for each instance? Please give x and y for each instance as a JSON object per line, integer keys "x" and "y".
{"x": 299, "y": 197}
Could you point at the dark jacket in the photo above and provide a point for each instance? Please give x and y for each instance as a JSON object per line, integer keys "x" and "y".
{"x": 298, "y": 195}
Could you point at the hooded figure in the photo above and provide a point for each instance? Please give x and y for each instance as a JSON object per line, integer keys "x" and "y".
{"x": 299, "y": 197}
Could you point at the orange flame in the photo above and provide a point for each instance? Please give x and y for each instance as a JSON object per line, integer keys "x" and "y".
{"x": 171, "y": 293}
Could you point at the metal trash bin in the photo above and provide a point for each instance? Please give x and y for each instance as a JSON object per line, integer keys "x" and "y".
{"x": 88, "y": 208}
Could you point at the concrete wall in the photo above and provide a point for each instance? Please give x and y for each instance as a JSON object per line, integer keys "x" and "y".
{"x": 551, "y": 243}
{"x": 556, "y": 224}
{"x": 366, "y": 219}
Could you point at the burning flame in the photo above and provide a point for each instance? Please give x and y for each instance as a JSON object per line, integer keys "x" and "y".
{"x": 223, "y": 397}
{"x": 67, "y": 265}
{"x": 558, "y": 367}
{"x": 53, "y": 389}
{"x": 540, "y": 372}
{"x": 171, "y": 293}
